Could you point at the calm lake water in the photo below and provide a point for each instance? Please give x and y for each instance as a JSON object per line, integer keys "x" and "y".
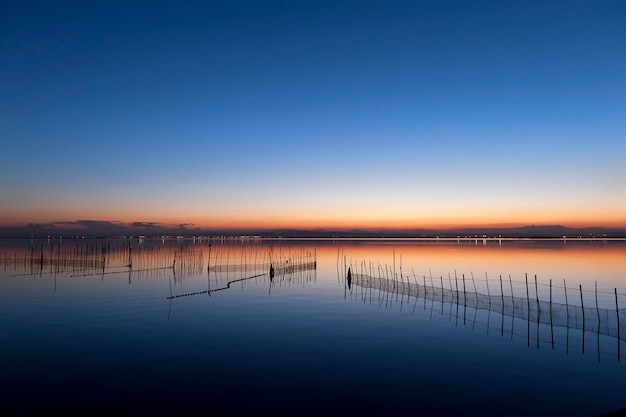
{"x": 446, "y": 328}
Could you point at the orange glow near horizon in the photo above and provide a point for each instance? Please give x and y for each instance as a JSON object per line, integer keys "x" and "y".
{"x": 348, "y": 221}
{"x": 337, "y": 223}
{"x": 575, "y": 262}
{"x": 266, "y": 217}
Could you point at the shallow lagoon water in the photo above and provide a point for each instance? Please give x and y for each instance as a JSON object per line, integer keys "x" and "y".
{"x": 105, "y": 337}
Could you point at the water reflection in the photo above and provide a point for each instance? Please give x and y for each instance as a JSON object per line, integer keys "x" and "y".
{"x": 409, "y": 318}
{"x": 381, "y": 289}
{"x": 224, "y": 263}
{"x": 294, "y": 268}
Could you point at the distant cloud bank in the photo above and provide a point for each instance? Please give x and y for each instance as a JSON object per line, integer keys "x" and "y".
{"x": 105, "y": 228}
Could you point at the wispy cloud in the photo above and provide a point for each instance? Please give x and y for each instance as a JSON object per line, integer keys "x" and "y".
{"x": 149, "y": 225}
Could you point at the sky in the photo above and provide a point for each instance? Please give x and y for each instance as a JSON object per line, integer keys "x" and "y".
{"x": 322, "y": 114}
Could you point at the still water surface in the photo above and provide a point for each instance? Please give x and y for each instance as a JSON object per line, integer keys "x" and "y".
{"x": 420, "y": 327}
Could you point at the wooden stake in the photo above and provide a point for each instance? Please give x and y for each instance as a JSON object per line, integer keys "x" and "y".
{"x": 537, "y": 295}
{"x": 502, "y": 294}
{"x": 597, "y": 308}
{"x": 474, "y": 284}
{"x": 463, "y": 285}
{"x": 528, "y": 305}
{"x": 618, "y": 330}
{"x": 583, "y": 309}
{"x": 551, "y": 328}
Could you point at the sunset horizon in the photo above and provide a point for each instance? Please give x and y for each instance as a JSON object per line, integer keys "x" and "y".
{"x": 108, "y": 228}
{"x": 335, "y": 116}
{"x": 313, "y": 208}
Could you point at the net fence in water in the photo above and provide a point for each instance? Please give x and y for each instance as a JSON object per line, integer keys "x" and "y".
{"x": 278, "y": 273}
{"x": 605, "y": 321}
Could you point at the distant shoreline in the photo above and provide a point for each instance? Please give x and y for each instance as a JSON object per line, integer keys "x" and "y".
{"x": 100, "y": 229}
{"x": 330, "y": 239}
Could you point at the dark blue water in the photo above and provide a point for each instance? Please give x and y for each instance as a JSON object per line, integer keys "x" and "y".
{"x": 300, "y": 344}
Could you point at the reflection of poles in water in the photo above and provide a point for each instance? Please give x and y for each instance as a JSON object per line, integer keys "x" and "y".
{"x": 551, "y": 328}
{"x": 464, "y": 299}
{"x": 598, "y": 321}
{"x": 208, "y": 279}
{"x": 424, "y": 278}
{"x": 345, "y": 283}
{"x": 583, "y": 306}
{"x": 528, "y": 305}
{"x": 111, "y": 258}
{"x": 287, "y": 270}
{"x": 538, "y": 310}
{"x": 418, "y": 290}
{"x": 271, "y": 273}
{"x": 169, "y": 311}
{"x": 502, "y": 295}
{"x": 216, "y": 289}
{"x": 449, "y": 282}
{"x": 456, "y": 283}
{"x": 537, "y": 296}
{"x": 618, "y": 332}
{"x": 512, "y": 305}
{"x": 338, "y": 264}
{"x": 394, "y": 265}
{"x": 601, "y": 321}
{"x": 567, "y": 315}
{"x": 598, "y": 312}
{"x": 487, "y": 281}
{"x": 208, "y": 266}
{"x": 170, "y": 280}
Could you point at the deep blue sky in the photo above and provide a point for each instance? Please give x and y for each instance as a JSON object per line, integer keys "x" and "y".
{"x": 313, "y": 113}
